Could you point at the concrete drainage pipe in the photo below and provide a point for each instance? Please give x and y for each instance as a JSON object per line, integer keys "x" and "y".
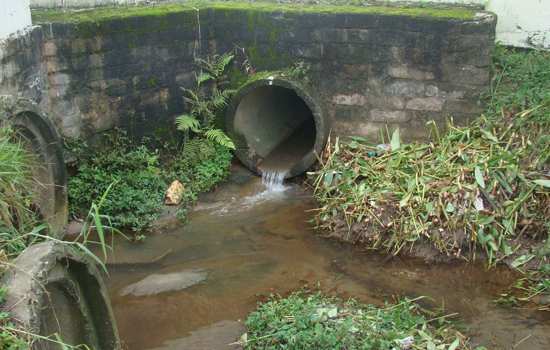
{"x": 42, "y": 140}
{"x": 276, "y": 125}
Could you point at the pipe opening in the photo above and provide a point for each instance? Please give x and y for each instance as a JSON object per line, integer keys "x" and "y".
{"x": 276, "y": 129}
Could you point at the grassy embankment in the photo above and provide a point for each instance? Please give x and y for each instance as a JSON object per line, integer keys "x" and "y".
{"x": 484, "y": 188}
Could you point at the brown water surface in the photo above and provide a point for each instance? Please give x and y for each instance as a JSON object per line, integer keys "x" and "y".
{"x": 190, "y": 288}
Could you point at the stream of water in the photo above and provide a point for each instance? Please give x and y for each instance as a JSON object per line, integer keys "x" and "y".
{"x": 191, "y": 286}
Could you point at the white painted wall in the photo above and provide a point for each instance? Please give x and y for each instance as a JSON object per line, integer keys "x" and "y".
{"x": 522, "y": 23}
{"x": 14, "y": 15}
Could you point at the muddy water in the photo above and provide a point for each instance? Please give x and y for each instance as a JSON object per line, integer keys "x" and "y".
{"x": 190, "y": 287}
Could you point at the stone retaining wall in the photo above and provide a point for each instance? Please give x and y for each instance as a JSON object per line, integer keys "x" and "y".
{"x": 367, "y": 69}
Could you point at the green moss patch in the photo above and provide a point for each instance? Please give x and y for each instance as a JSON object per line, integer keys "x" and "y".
{"x": 112, "y": 13}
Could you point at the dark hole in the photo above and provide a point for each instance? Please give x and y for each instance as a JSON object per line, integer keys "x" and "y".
{"x": 277, "y": 125}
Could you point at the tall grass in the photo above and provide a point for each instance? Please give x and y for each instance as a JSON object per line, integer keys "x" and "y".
{"x": 20, "y": 227}
{"x": 16, "y": 214}
{"x": 485, "y": 186}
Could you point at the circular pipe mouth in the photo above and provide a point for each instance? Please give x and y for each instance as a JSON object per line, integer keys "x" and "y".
{"x": 41, "y": 138}
{"x": 276, "y": 126}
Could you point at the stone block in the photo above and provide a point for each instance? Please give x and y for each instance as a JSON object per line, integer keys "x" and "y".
{"x": 434, "y": 104}
{"x": 463, "y": 107}
{"x": 59, "y": 79}
{"x": 386, "y": 102}
{"x": 388, "y": 116}
{"x": 406, "y": 88}
{"x": 350, "y": 100}
{"x": 95, "y": 60}
{"x": 407, "y": 72}
{"x": 432, "y": 90}
{"x": 465, "y": 74}
{"x": 49, "y": 49}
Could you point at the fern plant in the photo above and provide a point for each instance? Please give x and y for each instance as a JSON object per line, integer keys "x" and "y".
{"x": 207, "y": 99}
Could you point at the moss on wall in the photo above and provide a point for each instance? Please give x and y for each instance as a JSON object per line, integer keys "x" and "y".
{"x": 112, "y": 13}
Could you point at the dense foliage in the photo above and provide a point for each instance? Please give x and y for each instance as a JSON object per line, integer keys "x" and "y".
{"x": 137, "y": 185}
{"x": 313, "y": 321}
{"x": 139, "y": 178}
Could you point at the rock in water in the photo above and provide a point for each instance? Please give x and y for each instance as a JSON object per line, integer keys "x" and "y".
{"x": 174, "y": 194}
{"x": 159, "y": 283}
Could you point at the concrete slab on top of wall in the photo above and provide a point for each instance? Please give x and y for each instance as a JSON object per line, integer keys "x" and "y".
{"x": 524, "y": 23}
{"x": 521, "y": 23}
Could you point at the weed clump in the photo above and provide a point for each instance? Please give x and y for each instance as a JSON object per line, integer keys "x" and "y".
{"x": 136, "y": 195}
{"x": 138, "y": 176}
{"x": 313, "y": 321}
{"x": 482, "y": 187}
{"x": 17, "y": 214}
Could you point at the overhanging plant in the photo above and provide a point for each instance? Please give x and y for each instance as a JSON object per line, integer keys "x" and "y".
{"x": 207, "y": 99}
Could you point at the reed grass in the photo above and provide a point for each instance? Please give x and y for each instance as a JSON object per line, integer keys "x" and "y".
{"x": 484, "y": 187}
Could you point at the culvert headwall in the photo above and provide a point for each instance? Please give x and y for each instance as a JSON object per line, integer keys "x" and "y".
{"x": 277, "y": 125}
{"x": 371, "y": 67}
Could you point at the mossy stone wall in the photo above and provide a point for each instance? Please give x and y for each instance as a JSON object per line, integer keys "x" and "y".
{"x": 368, "y": 68}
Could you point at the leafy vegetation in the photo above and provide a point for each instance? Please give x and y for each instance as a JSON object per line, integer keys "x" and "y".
{"x": 485, "y": 186}
{"x": 138, "y": 177}
{"x": 9, "y": 340}
{"x": 313, "y": 321}
{"x": 209, "y": 97}
{"x": 134, "y": 173}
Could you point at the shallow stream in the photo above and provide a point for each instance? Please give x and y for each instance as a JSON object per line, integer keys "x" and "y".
{"x": 192, "y": 285}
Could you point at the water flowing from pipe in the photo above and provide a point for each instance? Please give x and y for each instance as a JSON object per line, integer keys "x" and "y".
{"x": 273, "y": 180}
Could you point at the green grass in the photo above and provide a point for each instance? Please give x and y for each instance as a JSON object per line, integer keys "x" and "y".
{"x": 9, "y": 340}
{"x": 107, "y": 14}
{"x": 317, "y": 322}
{"x": 17, "y": 216}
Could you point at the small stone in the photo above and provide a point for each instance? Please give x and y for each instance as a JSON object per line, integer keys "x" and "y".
{"x": 174, "y": 194}
{"x": 161, "y": 283}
